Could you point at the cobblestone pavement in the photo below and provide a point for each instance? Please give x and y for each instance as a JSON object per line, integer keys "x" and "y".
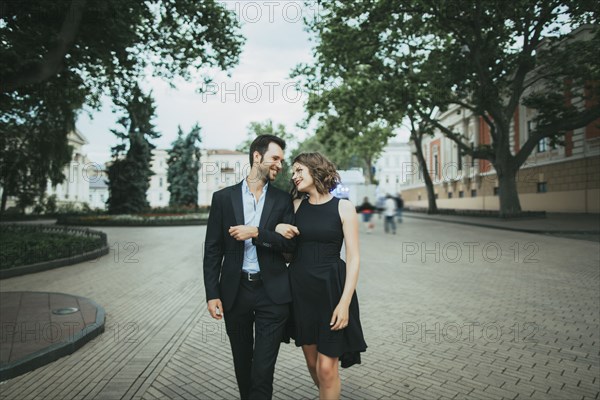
{"x": 449, "y": 311}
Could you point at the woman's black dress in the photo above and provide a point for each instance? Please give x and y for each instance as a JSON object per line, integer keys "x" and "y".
{"x": 317, "y": 276}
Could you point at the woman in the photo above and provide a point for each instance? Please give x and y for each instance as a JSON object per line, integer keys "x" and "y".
{"x": 325, "y": 306}
{"x": 367, "y": 209}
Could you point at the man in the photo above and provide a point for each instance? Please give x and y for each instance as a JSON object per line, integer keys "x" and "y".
{"x": 245, "y": 275}
{"x": 399, "y": 207}
{"x": 390, "y": 213}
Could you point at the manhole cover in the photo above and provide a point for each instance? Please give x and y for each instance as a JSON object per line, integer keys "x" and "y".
{"x": 65, "y": 311}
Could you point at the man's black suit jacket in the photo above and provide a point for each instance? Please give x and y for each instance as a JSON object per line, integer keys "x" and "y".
{"x": 223, "y": 255}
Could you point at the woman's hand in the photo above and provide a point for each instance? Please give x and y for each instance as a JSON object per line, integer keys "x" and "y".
{"x": 287, "y": 231}
{"x": 339, "y": 320}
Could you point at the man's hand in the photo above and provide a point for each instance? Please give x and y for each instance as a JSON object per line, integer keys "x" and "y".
{"x": 215, "y": 308}
{"x": 243, "y": 232}
{"x": 287, "y": 231}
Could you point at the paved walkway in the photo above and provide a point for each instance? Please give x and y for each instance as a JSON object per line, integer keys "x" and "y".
{"x": 449, "y": 311}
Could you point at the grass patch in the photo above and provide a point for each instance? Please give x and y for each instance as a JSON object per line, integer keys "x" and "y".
{"x": 28, "y": 245}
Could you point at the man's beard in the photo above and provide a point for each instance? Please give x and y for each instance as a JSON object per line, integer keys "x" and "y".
{"x": 265, "y": 174}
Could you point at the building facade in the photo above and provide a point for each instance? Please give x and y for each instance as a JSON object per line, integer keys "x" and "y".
{"x": 392, "y": 167}
{"x": 98, "y": 190}
{"x": 561, "y": 179}
{"x": 220, "y": 168}
{"x": 158, "y": 194}
{"x": 74, "y": 190}
{"x": 555, "y": 179}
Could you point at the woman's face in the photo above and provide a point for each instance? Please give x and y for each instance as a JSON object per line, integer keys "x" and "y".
{"x": 301, "y": 177}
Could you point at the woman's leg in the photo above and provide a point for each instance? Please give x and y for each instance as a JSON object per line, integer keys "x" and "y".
{"x": 330, "y": 385}
{"x": 310, "y": 353}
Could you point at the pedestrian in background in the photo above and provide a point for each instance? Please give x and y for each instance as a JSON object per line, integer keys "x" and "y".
{"x": 366, "y": 209}
{"x": 389, "y": 212}
{"x": 399, "y": 207}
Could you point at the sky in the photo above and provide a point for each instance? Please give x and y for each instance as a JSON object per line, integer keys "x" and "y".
{"x": 259, "y": 87}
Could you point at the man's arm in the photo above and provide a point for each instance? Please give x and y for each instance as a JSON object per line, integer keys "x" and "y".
{"x": 273, "y": 240}
{"x": 213, "y": 249}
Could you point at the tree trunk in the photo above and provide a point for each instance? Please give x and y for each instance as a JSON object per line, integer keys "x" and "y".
{"x": 4, "y": 200}
{"x": 432, "y": 206}
{"x": 369, "y": 163}
{"x": 510, "y": 205}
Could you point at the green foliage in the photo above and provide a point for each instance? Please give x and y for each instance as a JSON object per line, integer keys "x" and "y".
{"x": 34, "y": 125}
{"x": 50, "y": 204}
{"x": 385, "y": 60}
{"x": 30, "y": 246}
{"x": 129, "y": 174}
{"x": 58, "y": 56}
{"x": 184, "y": 163}
{"x": 145, "y": 219}
{"x": 176, "y": 38}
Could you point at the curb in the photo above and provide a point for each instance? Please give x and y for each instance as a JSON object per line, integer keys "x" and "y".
{"x": 58, "y": 350}
{"x": 46, "y": 265}
{"x": 505, "y": 228}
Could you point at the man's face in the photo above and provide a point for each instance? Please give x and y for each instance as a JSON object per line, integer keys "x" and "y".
{"x": 271, "y": 162}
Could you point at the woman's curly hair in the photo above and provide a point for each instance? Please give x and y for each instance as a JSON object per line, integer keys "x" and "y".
{"x": 322, "y": 170}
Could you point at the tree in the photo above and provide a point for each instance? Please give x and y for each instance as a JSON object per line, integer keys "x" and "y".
{"x": 483, "y": 56}
{"x": 176, "y": 37}
{"x": 58, "y": 56}
{"x": 34, "y": 151}
{"x": 350, "y": 145}
{"x": 184, "y": 163}
{"x": 309, "y": 145}
{"x": 283, "y": 180}
{"x": 129, "y": 174}
{"x": 353, "y": 133}
{"x": 419, "y": 129}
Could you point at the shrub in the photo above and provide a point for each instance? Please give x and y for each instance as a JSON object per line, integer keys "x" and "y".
{"x": 29, "y": 244}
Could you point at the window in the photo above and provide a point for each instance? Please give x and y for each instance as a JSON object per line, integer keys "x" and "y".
{"x": 90, "y": 197}
{"x": 459, "y": 158}
{"x": 160, "y": 182}
{"x": 436, "y": 195}
{"x": 102, "y": 197}
{"x": 496, "y": 191}
{"x": 160, "y": 196}
{"x": 397, "y": 179}
{"x": 473, "y": 193}
{"x": 435, "y": 166}
{"x": 461, "y": 194}
{"x": 530, "y": 127}
{"x": 449, "y": 195}
{"x": 542, "y": 145}
{"x": 542, "y": 187}
{"x": 419, "y": 197}
{"x": 387, "y": 179}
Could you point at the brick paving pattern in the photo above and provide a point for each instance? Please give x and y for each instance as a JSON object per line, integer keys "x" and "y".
{"x": 449, "y": 312}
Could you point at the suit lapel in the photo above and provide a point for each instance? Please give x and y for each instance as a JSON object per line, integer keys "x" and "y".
{"x": 236, "y": 202}
{"x": 266, "y": 212}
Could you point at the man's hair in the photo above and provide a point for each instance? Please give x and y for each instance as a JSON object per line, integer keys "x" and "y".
{"x": 322, "y": 170}
{"x": 261, "y": 144}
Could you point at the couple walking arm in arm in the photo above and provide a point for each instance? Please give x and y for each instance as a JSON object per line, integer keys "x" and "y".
{"x": 248, "y": 284}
